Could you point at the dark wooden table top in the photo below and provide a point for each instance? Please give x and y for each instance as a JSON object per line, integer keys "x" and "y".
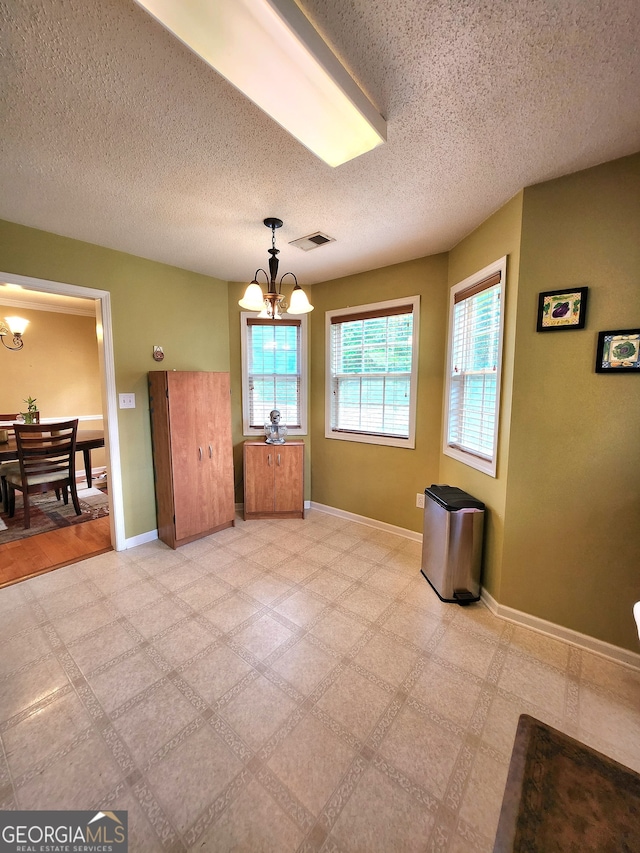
{"x": 87, "y": 439}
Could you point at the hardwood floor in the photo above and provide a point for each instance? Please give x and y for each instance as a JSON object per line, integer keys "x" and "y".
{"x": 44, "y": 552}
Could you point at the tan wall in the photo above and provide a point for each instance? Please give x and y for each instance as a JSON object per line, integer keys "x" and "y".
{"x": 58, "y": 365}
{"x": 368, "y": 479}
{"x": 236, "y": 292}
{"x": 497, "y": 236}
{"x": 151, "y": 303}
{"x": 572, "y": 529}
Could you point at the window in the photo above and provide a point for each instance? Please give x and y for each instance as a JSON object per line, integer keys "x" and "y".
{"x": 473, "y": 368}
{"x": 372, "y": 358}
{"x": 274, "y": 372}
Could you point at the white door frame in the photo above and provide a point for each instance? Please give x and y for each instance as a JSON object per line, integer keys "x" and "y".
{"x": 104, "y": 335}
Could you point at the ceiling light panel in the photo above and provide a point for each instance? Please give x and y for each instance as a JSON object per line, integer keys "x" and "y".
{"x": 270, "y": 52}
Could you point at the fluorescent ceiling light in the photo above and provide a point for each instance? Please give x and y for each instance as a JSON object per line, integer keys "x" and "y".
{"x": 270, "y": 52}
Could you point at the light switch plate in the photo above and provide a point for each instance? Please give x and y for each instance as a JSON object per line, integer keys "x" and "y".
{"x": 127, "y": 401}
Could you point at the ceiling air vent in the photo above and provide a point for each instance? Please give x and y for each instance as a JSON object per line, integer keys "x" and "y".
{"x": 312, "y": 241}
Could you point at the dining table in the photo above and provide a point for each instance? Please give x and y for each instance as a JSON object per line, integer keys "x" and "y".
{"x": 86, "y": 441}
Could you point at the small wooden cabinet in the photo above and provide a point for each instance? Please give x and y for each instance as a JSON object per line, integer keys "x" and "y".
{"x": 273, "y": 480}
{"x": 192, "y": 453}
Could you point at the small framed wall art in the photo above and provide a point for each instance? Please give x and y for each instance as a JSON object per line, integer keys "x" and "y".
{"x": 562, "y": 309}
{"x": 618, "y": 352}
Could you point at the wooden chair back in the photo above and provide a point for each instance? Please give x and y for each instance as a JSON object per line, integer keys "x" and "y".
{"x": 46, "y": 455}
{"x": 10, "y": 428}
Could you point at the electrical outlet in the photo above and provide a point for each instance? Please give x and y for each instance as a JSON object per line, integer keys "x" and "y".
{"x": 127, "y": 401}
{"x": 420, "y": 500}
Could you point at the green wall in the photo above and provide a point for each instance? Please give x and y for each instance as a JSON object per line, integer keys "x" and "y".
{"x": 572, "y": 522}
{"x": 497, "y": 236}
{"x": 368, "y": 479}
{"x": 151, "y": 303}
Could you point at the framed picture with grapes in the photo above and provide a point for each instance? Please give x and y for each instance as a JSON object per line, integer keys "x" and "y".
{"x": 559, "y": 310}
{"x": 618, "y": 352}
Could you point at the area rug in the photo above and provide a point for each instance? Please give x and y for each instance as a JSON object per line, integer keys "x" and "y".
{"x": 47, "y": 513}
{"x": 564, "y": 797}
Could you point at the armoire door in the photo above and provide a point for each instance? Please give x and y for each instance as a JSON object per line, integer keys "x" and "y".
{"x": 213, "y": 406}
{"x": 259, "y": 469}
{"x": 289, "y": 472}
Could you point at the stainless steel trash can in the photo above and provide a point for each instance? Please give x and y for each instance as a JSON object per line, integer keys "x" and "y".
{"x": 452, "y": 543}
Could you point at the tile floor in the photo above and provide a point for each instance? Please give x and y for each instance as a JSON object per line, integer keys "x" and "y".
{"x": 282, "y": 686}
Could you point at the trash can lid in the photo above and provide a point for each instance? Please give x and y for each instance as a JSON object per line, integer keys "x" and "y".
{"x": 452, "y": 498}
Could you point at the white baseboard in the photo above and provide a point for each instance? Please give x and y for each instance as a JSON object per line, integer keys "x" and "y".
{"x": 149, "y": 536}
{"x": 559, "y": 632}
{"x": 370, "y": 522}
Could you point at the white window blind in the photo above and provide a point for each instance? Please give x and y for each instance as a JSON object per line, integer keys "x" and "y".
{"x": 274, "y": 373}
{"x": 372, "y": 371}
{"x": 474, "y": 368}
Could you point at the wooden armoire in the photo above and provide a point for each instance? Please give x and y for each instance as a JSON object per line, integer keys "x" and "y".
{"x": 192, "y": 453}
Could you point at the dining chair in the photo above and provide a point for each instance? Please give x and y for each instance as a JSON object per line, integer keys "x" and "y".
{"x": 46, "y": 460}
{"x": 8, "y": 466}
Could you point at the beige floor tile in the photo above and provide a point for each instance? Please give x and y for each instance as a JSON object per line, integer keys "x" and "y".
{"x": 352, "y": 565}
{"x": 322, "y": 554}
{"x": 23, "y": 649}
{"x": 355, "y": 703}
{"x": 535, "y": 645}
{"x": 184, "y": 641}
{"x": 372, "y": 551}
{"x": 113, "y": 577}
{"x": 613, "y": 721}
{"x": 52, "y": 582}
{"x": 240, "y": 573}
{"x": 40, "y": 735}
{"x": 119, "y": 683}
{"x": 270, "y": 556}
{"x": 482, "y": 799}
{"x": 310, "y": 762}
{"x": 253, "y": 823}
{"x": 381, "y": 817}
{"x": 419, "y": 594}
{"x": 263, "y": 637}
{"x": 79, "y": 595}
{"x": 200, "y": 768}
{"x": 535, "y": 682}
{"x": 338, "y": 631}
{"x": 107, "y": 643}
{"x": 304, "y": 665}
{"x": 30, "y": 685}
{"x": 423, "y": 750}
{"x": 150, "y": 724}
{"x": 388, "y": 582}
{"x": 267, "y": 588}
{"x": 216, "y": 673}
{"x": 230, "y": 613}
{"x": 214, "y": 559}
{"x": 387, "y": 659}
{"x": 297, "y": 569}
{"x": 467, "y": 651}
{"x": 257, "y": 712}
{"x": 301, "y": 607}
{"x": 203, "y": 593}
{"x": 365, "y": 602}
{"x": 180, "y": 576}
{"x": 158, "y": 616}
{"x": 83, "y": 621}
{"x": 449, "y": 692}
{"x": 130, "y": 599}
{"x": 415, "y": 626}
{"x": 73, "y": 782}
{"x": 328, "y": 584}
{"x": 620, "y": 680}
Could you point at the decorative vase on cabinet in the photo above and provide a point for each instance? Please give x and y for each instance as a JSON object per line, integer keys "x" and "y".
{"x": 273, "y": 480}
{"x": 192, "y": 453}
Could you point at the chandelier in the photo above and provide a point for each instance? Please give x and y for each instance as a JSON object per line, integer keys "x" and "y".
{"x": 272, "y": 304}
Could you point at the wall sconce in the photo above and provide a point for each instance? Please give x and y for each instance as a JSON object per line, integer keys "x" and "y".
{"x": 13, "y": 326}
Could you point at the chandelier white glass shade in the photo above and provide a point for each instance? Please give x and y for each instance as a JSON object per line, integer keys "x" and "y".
{"x": 272, "y": 304}
{"x": 271, "y": 52}
{"x": 13, "y": 326}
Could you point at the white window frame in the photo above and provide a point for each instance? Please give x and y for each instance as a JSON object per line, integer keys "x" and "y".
{"x": 468, "y": 457}
{"x": 365, "y": 438}
{"x": 304, "y": 374}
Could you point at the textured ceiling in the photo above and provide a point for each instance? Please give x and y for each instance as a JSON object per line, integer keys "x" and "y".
{"x": 114, "y": 133}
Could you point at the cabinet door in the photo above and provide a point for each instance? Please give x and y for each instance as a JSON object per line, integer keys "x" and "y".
{"x": 213, "y": 411}
{"x": 186, "y": 462}
{"x": 259, "y": 471}
{"x": 289, "y": 469}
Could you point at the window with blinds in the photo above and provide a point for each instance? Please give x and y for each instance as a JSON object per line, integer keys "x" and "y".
{"x": 474, "y": 361}
{"x": 371, "y": 376}
{"x": 273, "y": 373}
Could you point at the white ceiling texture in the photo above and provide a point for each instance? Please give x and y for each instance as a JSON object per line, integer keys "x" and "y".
{"x": 113, "y": 132}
